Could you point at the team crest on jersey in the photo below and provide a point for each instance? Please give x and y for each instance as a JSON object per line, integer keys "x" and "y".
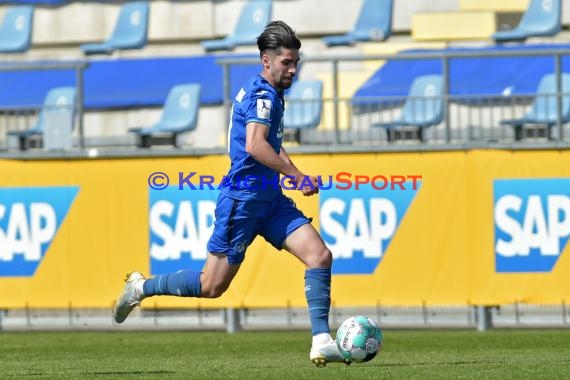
{"x": 263, "y": 108}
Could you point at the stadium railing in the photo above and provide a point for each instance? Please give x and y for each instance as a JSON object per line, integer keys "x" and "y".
{"x": 54, "y": 124}
{"x": 515, "y": 315}
{"x": 304, "y": 107}
{"x": 20, "y": 116}
{"x": 179, "y": 115}
{"x": 469, "y": 118}
{"x": 544, "y": 111}
{"x": 422, "y": 109}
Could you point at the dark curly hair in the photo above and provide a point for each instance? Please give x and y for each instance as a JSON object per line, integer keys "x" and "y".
{"x": 277, "y": 35}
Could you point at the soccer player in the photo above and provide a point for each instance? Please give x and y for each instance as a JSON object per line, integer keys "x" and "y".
{"x": 258, "y": 207}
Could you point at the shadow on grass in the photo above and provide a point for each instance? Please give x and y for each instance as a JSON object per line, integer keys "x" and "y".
{"x": 458, "y": 362}
{"x": 128, "y": 372}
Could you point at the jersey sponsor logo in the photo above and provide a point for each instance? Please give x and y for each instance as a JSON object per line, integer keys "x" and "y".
{"x": 532, "y": 223}
{"x": 358, "y": 225}
{"x": 263, "y": 108}
{"x": 29, "y": 221}
{"x": 181, "y": 223}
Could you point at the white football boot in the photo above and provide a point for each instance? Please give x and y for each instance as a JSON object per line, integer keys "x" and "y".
{"x": 326, "y": 353}
{"x": 130, "y": 297}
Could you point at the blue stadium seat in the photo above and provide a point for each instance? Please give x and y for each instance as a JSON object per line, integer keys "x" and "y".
{"x": 131, "y": 30}
{"x": 16, "y": 29}
{"x": 423, "y": 108}
{"x": 304, "y": 106}
{"x": 374, "y": 24}
{"x": 179, "y": 115}
{"x": 60, "y": 102}
{"x": 541, "y": 19}
{"x": 544, "y": 109}
{"x": 253, "y": 18}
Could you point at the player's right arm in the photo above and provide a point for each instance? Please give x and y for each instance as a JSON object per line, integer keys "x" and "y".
{"x": 256, "y": 146}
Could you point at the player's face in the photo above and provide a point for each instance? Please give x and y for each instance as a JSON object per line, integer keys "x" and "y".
{"x": 282, "y": 67}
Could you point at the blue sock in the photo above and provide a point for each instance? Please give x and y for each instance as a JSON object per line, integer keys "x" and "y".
{"x": 184, "y": 283}
{"x": 318, "y": 293}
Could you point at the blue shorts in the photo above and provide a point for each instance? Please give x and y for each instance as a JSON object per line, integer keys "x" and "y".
{"x": 239, "y": 222}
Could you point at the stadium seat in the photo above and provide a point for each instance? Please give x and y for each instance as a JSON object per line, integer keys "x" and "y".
{"x": 304, "y": 107}
{"x": 131, "y": 30}
{"x": 541, "y": 19}
{"x": 374, "y": 24}
{"x": 423, "y": 108}
{"x": 543, "y": 112}
{"x": 179, "y": 115}
{"x": 16, "y": 29}
{"x": 59, "y": 107}
{"x": 253, "y": 18}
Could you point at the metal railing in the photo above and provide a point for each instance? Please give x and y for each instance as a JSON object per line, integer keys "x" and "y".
{"x": 232, "y": 320}
{"x": 18, "y": 117}
{"x": 467, "y": 119}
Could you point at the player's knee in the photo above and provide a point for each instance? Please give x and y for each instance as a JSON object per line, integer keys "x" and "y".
{"x": 322, "y": 258}
{"x": 213, "y": 291}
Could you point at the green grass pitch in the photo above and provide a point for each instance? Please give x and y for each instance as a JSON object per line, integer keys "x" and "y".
{"x": 407, "y": 354}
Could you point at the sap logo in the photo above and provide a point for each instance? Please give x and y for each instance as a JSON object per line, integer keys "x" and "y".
{"x": 532, "y": 223}
{"x": 358, "y": 225}
{"x": 181, "y": 223}
{"x": 29, "y": 221}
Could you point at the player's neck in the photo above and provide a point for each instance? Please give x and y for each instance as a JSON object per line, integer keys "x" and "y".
{"x": 271, "y": 81}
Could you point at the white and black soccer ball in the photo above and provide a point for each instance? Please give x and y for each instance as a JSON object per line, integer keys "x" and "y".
{"x": 359, "y": 339}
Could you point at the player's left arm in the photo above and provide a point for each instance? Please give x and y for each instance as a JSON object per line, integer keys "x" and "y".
{"x": 314, "y": 180}
{"x": 258, "y": 148}
{"x": 285, "y": 156}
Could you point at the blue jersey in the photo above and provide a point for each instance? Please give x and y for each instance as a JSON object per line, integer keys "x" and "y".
{"x": 248, "y": 179}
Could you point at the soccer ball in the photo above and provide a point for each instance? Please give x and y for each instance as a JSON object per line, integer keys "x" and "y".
{"x": 359, "y": 339}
